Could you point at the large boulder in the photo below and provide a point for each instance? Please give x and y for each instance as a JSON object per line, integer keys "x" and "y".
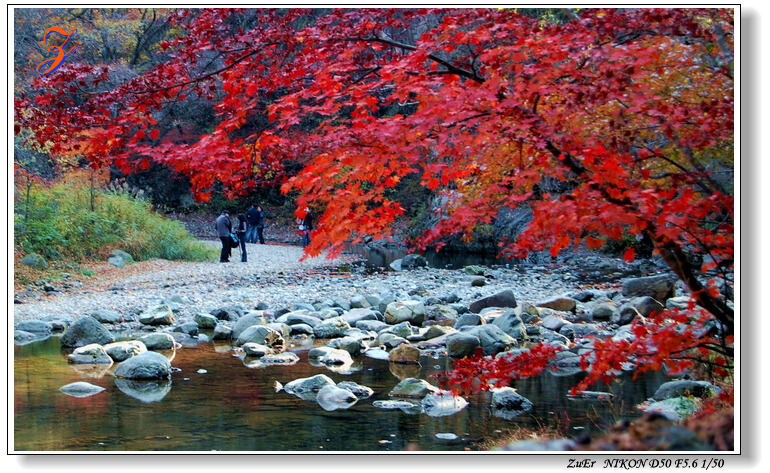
{"x": 86, "y": 331}
{"x": 501, "y": 299}
{"x": 355, "y": 315}
{"x": 148, "y": 365}
{"x": 659, "y": 287}
{"x": 251, "y": 318}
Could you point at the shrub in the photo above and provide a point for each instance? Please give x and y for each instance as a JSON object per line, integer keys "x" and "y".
{"x": 73, "y": 221}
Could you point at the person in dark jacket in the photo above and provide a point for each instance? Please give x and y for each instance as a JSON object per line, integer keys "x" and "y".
{"x": 241, "y": 232}
{"x": 224, "y": 227}
{"x": 256, "y": 220}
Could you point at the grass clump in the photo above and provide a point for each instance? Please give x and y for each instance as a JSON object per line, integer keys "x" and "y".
{"x": 73, "y": 221}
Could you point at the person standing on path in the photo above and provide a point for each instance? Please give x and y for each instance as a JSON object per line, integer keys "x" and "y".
{"x": 241, "y": 233}
{"x": 252, "y": 218}
{"x": 305, "y": 227}
{"x": 260, "y": 225}
{"x": 224, "y": 227}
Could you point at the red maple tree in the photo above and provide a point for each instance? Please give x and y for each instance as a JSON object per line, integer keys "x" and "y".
{"x": 627, "y": 112}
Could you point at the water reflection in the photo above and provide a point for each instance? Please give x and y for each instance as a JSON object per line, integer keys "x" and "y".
{"x": 233, "y": 408}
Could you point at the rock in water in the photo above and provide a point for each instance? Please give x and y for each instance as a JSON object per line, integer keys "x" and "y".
{"x": 332, "y": 398}
{"x": 86, "y": 331}
{"x": 443, "y": 404}
{"x": 148, "y": 365}
{"x": 81, "y": 389}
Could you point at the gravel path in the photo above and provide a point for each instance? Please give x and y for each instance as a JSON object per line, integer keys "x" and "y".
{"x": 275, "y": 276}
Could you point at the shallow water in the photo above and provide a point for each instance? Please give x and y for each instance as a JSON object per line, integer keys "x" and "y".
{"x": 232, "y": 407}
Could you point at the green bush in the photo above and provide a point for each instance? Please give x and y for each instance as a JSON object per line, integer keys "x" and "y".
{"x": 60, "y": 221}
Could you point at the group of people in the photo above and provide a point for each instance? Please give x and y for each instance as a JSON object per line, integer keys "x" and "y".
{"x": 250, "y": 230}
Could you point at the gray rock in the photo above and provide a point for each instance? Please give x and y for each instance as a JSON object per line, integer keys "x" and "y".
{"x": 206, "y": 321}
{"x": 501, "y": 299}
{"x": 510, "y": 323}
{"x": 157, "y": 315}
{"x": 561, "y": 304}
{"x": 121, "y": 351}
{"x": 659, "y": 287}
{"x": 553, "y": 322}
{"x": 299, "y": 317}
{"x": 405, "y": 311}
{"x": 332, "y": 398}
{"x": 308, "y": 385}
{"x": 359, "y": 302}
{"x": 262, "y": 335}
{"x": 93, "y": 354}
{"x": 246, "y": 321}
{"x": 413, "y": 261}
{"x": 351, "y": 345}
{"x": 565, "y": 363}
{"x": 37, "y": 327}
{"x": 645, "y": 305}
{"x": 158, "y": 341}
{"x": 371, "y": 325}
{"x": 287, "y": 358}
{"x": 86, "y": 331}
{"x": 301, "y": 329}
{"x": 443, "y": 315}
{"x": 442, "y": 404}
{"x": 603, "y": 309}
{"x": 81, "y": 389}
{"x": 625, "y": 315}
{"x": 190, "y": 328}
{"x": 107, "y": 316}
{"x": 469, "y": 319}
{"x": 256, "y": 350}
{"x": 673, "y": 389}
{"x": 460, "y": 345}
{"x": 361, "y": 392}
{"x": 574, "y": 331}
{"x": 120, "y": 258}
{"x": 149, "y": 365}
{"x": 508, "y": 399}
{"x": 229, "y": 313}
{"x": 222, "y": 332}
{"x": 35, "y": 261}
{"x": 493, "y": 339}
{"x": 331, "y": 328}
{"x": 413, "y": 387}
{"x": 396, "y": 265}
{"x": 355, "y": 315}
{"x": 474, "y": 270}
{"x": 336, "y": 357}
{"x": 20, "y": 337}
